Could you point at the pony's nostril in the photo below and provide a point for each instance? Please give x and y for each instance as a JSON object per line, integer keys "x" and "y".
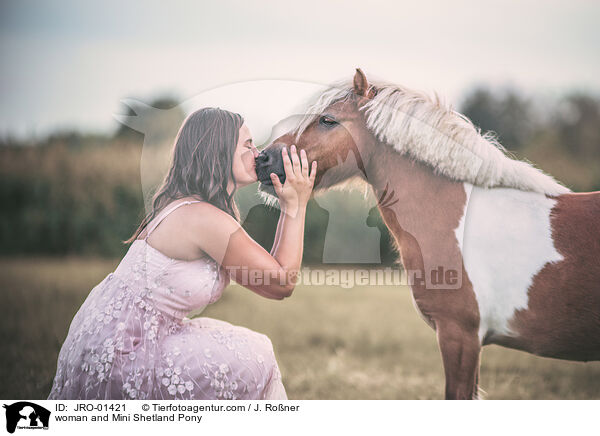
{"x": 263, "y": 158}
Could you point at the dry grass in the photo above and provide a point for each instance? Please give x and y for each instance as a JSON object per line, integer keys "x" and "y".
{"x": 331, "y": 343}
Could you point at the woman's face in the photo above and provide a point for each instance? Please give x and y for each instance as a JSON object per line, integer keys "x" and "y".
{"x": 244, "y": 171}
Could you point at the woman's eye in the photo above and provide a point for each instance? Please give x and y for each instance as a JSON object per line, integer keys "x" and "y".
{"x": 327, "y": 121}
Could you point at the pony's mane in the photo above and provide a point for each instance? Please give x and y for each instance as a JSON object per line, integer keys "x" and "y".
{"x": 431, "y": 132}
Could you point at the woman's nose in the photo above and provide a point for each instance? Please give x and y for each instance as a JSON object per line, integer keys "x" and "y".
{"x": 255, "y": 152}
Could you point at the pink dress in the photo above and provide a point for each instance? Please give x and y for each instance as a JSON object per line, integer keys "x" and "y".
{"x": 131, "y": 338}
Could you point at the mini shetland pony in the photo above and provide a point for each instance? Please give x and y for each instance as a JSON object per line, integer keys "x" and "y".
{"x": 497, "y": 251}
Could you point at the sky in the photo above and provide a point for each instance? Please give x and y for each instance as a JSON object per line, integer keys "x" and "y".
{"x": 68, "y": 64}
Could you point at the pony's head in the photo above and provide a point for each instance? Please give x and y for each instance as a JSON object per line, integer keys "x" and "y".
{"x": 333, "y": 132}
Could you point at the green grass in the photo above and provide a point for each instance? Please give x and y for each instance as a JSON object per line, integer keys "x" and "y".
{"x": 331, "y": 343}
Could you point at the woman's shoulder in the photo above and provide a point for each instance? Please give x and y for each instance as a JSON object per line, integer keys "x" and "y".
{"x": 194, "y": 204}
{"x": 207, "y": 215}
{"x": 210, "y": 229}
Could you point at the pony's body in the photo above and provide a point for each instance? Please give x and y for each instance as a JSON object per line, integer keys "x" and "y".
{"x": 524, "y": 254}
{"x": 497, "y": 252}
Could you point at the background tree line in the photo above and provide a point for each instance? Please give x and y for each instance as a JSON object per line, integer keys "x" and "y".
{"x": 72, "y": 193}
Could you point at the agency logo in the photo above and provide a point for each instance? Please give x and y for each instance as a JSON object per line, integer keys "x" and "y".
{"x": 26, "y": 415}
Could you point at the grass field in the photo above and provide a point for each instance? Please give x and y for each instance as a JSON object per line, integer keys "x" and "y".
{"x": 331, "y": 343}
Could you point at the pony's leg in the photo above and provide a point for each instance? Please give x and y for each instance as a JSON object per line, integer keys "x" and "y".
{"x": 479, "y": 394}
{"x": 460, "y": 354}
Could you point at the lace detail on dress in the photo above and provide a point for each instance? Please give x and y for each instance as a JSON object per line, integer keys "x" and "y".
{"x": 131, "y": 340}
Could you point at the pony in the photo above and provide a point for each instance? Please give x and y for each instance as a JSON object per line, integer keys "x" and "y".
{"x": 496, "y": 251}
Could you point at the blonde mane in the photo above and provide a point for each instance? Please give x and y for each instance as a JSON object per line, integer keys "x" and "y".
{"x": 433, "y": 133}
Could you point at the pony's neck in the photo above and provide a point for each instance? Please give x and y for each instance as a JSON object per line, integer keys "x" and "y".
{"x": 418, "y": 188}
{"x": 429, "y": 208}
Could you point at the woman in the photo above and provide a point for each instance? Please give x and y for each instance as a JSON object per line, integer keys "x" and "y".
{"x": 131, "y": 337}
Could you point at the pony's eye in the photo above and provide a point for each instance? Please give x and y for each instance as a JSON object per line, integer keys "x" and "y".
{"x": 327, "y": 121}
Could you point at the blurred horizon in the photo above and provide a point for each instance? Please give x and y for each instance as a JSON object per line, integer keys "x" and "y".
{"x": 541, "y": 103}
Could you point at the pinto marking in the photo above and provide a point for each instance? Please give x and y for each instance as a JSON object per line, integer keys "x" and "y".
{"x": 497, "y": 222}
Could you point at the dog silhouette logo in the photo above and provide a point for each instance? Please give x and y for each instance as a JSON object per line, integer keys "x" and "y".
{"x": 26, "y": 415}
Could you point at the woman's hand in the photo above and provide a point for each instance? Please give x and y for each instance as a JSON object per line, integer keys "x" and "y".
{"x": 298, "y": 185}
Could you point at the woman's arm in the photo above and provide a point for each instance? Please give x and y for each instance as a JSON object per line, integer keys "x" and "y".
{"x": 271, "y": 275}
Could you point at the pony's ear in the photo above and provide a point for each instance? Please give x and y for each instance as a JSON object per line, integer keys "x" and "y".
{"x": 361, "y": 85}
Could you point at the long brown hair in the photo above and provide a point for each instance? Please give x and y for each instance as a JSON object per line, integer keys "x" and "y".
{"x": 201, "y": 163}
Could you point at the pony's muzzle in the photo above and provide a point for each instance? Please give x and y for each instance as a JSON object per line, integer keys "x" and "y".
{"x": 270, "y": 161}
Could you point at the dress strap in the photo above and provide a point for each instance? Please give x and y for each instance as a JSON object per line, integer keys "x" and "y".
{"x": 161, "y": 216}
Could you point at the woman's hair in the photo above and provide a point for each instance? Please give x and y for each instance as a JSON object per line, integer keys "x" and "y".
{"x": 202, "y": 163}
